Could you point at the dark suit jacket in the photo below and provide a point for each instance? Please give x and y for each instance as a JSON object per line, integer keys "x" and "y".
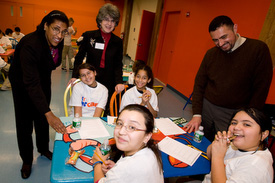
{"x": 111, "y": 75}
{"x": 30, "y": 73}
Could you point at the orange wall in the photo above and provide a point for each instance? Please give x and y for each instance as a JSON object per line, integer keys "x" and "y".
{"x": 83, "y": 11}
{"x": 193, "y": 39}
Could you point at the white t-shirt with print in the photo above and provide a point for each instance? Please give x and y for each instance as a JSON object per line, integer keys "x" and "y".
{"x": 89, "y": 98}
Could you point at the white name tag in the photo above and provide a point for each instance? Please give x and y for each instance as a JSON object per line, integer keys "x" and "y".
{"x": 99, "y": 46}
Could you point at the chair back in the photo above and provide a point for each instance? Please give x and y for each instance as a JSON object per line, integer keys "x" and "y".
{"x": 158, "y": 89}
{"x": 14, "y": 42}
{"x": 69, "y": 88}
{"x": 4, "y": 78}
{"x": 115, "y": 102}
{"x": 188, "y": 101}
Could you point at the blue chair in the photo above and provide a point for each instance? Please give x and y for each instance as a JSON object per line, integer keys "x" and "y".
{"x": 188, "y": 101}
{"x": 14, "y": 42}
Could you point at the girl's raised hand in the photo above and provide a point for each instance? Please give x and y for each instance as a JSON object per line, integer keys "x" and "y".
{"x": 220, "y": 144}
{"x": 146, "y": 96}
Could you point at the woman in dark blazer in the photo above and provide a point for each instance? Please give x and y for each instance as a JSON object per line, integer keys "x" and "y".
{"x": 103, "y": 50}
{"x": 36, "y": 55}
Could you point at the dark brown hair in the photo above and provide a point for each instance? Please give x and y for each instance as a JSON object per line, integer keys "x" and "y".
{"x": 85, "y": 66}
{"x": 149, "y": 123}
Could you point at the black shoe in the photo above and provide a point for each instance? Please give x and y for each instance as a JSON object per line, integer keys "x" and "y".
{"x": 47, "y": 154}
{"x": 71, "y": 69}
{"x": 64, "y": 69}
{"x": 26, "y": 171}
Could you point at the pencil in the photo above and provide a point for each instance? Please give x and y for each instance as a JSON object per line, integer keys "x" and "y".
{"x": 231, "y": 138}
{"x": 143, "y": 92}
{"x": 141, "y": 96}
{"x": 100, "y": 158}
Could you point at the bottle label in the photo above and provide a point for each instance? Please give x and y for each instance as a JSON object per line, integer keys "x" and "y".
{"x": 76, "y": 124}
{"x": 105, "y": 151}
{"x": 198, "y": 137}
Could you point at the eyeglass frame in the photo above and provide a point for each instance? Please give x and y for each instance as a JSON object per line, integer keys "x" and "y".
{"x": 57, "y": 31}
{"x": 127, "y": 127}
{"x": 109, "y": 20}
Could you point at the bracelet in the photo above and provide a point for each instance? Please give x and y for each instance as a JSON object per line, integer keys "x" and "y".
{"x": 97, "y": 163}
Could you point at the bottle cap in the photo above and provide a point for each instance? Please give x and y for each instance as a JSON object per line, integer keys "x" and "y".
{"x": 77, "y": 115}
{"x": 106, "y": 142}
{"x": 201, "y": 128}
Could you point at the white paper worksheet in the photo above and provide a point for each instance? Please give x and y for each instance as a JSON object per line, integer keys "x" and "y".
{"x": 179, "y": 151}
{"x": 168, "y": 127}
{"x": 92, "y": 128}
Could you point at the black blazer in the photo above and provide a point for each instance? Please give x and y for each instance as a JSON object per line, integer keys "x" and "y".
{"x": 30, "y": 72}
{"x": 111, "y": 75}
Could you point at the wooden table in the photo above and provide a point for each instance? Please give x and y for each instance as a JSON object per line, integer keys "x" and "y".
{"x": 7, "y": 54}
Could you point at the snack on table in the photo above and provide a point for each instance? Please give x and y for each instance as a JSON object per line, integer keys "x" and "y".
{"x": 74, "y": 156}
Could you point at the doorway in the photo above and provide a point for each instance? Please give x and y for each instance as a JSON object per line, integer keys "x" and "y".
{"x": 145, "y": 34}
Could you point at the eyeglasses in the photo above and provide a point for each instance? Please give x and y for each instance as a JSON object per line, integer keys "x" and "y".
{"x": 56, "y": 31}
{"x": 129, "y": 128}
{"x": 109, "y": 20}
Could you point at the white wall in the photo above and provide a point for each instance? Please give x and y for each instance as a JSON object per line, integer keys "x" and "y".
{"x": 138, "y": 7}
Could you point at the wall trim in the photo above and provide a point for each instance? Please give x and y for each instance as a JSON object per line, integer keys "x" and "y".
{"x": 177, "y": 92}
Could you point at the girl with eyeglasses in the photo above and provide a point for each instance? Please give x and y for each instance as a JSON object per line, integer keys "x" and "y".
{"x": 89, "y": 97}
{"x": 246, "y": 159}
{"x": 139, "y": 158}
{"x": 36, "y": 55}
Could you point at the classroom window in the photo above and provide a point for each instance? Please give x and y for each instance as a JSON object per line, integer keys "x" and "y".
{"x": 11, "y": 10}
{"x": 21, "y": 11}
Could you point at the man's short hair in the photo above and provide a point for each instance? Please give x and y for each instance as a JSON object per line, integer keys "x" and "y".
{"x": 220, "y": 21}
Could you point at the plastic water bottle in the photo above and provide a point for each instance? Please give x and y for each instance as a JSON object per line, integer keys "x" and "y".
{"x": 105, "y": 147}
{"x": 124, "y": 69}
{"x": 76, "y": 121}
{"x": 199, "y": 135}
{"x": 155, "y": 129}
{"x": 130, "y": 66}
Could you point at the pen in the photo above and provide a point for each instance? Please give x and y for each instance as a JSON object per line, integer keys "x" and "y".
{"x": 100, "y": 158}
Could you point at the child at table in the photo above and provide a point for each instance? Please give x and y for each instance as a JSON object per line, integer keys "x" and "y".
{"x": 4, "y": 41}
{"x": 246, "y": 159}
{"x": 137, "y": 64}
{"x": 6, "y": 67}
{"x": 89, "y": 97}
{"x": 142, "y": 93}
{"x": 140, "y": 160}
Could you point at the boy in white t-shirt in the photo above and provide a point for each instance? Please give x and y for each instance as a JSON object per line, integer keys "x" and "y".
{"x": 89, "y": 97}
{"x": 4, "y": 41}
{"x": 17, "y": 34}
